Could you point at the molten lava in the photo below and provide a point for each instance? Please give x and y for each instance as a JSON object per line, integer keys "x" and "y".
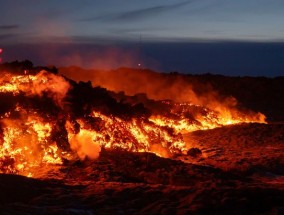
{"x": 45, "y": 119}
{"x": 186, "y": 117}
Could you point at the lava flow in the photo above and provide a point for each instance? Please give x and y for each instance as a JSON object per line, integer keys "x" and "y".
{"x": 47, "y": 118}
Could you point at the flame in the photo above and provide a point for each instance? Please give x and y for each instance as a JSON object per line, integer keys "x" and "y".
{"x": 26, "y": 138}
{"x": 38, "y": 84}
{"x": 182, "y": 120}
{"x": 136, "y": 135}
{"x": 31, "y": 138}
{"x": 25, "y": 145}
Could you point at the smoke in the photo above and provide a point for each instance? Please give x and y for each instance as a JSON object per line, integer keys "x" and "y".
{"x": 62, "y": 52}
{"x": 84, "y": 145}
{"x": 160, "y": 150}
{"x": 102, "y": 58}
{"x": 54, "y": 86}
{"x": 157, "y": 86}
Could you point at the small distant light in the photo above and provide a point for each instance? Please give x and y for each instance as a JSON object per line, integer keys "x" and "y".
{"x": 1, "y": 50}
{"x": 139, "y": 64}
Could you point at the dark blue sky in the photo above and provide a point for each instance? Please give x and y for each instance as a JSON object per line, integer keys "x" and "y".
{"x": 244, "y": 37}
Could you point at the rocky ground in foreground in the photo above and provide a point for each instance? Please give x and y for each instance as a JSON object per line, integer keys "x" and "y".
{"x": 245, "y": 148}
{"x": 237, "y": 170}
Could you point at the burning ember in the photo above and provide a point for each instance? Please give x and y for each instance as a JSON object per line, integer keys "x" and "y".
{"x": 47, "y": 118}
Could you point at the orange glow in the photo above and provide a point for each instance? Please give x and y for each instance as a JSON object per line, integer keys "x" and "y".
{"x": 209, "y": 119}
{"x": 39, "y": 84}
{"x": 25, "y": 143}
{"x": 30, "y": 138}
{"x": 134, "y": 135}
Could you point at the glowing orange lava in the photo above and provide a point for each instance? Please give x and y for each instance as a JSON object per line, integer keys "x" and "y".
{"x": 32, "y": 137}
{"x": 209, "y": 119}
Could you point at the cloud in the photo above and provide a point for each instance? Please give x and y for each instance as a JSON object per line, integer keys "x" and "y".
{"x": 7, "y": 36}
{"x": 137, "y": 14}
{"x": 5, "y": 32}
{"x": 9, "y": 27}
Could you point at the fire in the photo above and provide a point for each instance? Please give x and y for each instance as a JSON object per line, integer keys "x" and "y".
{"x": 25, "y": 144}
{"x": 28, "y": 140}
{"x": 39, "y": 127}
{"x": 38, "y": 84}
{"x": 136, "y": 135}
{"x": 186, "y": 117}
{"x": 25, "y": 134}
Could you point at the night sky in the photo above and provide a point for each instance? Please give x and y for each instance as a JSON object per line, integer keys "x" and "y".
{"x": 244, "y": 37}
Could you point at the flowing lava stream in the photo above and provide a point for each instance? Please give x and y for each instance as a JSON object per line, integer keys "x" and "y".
{"x": 46, "y": 119}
